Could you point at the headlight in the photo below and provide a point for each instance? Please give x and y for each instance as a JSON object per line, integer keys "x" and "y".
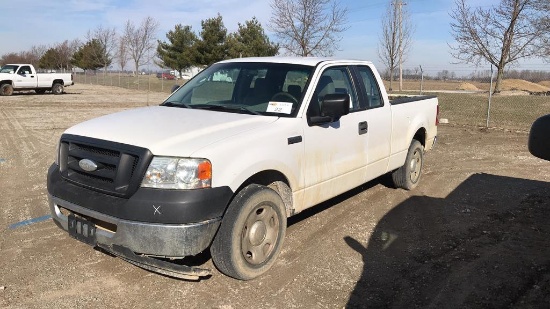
{"x": 178, "y": 173}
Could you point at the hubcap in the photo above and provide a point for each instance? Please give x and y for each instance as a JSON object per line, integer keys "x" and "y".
{"x": 260, "y": 234}
{"x": 415, "y": 166}
{"x": 257, "y": 233}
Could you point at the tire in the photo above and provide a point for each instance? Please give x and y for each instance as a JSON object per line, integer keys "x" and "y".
{"x": 6, "y": 90}
{"x": 408, "y": 175}
{"x": 57, "y": 88}
{"x": 251, "y": 234}
{"x": 40, "y": 91}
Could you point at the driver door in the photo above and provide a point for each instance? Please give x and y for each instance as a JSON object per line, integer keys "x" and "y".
{"x": 25, "y": 78}
{"x": 336, "y": 153}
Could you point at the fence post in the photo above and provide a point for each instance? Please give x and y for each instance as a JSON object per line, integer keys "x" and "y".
{"x": 421, "y": 79}
{"x": 149, "y": 85}
{"x": 490, "y": 97}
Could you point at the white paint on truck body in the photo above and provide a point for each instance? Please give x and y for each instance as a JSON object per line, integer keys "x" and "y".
{"x": 331, "y": 159}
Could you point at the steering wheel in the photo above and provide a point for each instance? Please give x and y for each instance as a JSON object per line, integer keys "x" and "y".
{"x": 284, "y": 95}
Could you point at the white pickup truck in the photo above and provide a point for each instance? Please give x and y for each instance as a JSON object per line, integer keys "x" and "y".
{"x": 22, "y": 77}
{"x": 223, "y": 164}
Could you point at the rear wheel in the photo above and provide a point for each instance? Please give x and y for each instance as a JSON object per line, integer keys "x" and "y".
{"x": 251, "y": 234}
{"x": 6, "y": 90}
{"x": 57, "y": 88}
{"x": 408, "y": 175}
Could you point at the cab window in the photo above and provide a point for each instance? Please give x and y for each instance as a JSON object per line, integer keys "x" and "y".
{"x": 333, "y": 80}
{"x": 25, "y": 69}
{"x": 372, "y": 91}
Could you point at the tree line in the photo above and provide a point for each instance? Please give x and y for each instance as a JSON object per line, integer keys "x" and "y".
{"x": 303, "y": 28}
{"x": 138, "y": 44}
{"x": 184, "y": 48}
{"x": 501, "y": 35}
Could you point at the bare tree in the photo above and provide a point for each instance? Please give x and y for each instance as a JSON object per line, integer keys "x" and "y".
{"x": 308, "y": 27}
{"x": 544, "y": 26}
{"x": 141, "y": 40}
{"x": 122, "y": 54}
{"x": 35, "y": 53}
{"x": 64, "y": 53}
{"x": 31, "y": 56}
{"x": 500, "y": 35}
{"x": 107, "y": 39}
{"x": 395, "y": 41}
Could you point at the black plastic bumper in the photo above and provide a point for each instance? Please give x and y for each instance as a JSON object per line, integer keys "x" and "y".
{"x": 147, "y": 204}
{"x": 152, "y": 222}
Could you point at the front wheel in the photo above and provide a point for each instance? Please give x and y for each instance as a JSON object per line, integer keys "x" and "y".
{"x": 408, "y": 175}
{"x": 6, "y": 90}
{"x": 57, "y": 88}
{"x": 251, "y": 234}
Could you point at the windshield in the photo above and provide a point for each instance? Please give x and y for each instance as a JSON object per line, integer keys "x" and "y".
{"x": 272, "y": 89}
{"x": 8, "y": 69}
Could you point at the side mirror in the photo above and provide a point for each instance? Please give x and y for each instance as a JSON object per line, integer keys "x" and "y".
{"x": 333, "y": 107}
{"x": 174, "y": 88}
{"x": 539, "y": 138}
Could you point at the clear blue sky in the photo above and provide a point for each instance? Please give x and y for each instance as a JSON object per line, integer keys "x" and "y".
{"x": 37, "y": 22}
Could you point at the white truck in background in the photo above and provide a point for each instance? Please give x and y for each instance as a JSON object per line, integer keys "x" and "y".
{"x": 23, "y": 77}
{"x": 221, "y": 165}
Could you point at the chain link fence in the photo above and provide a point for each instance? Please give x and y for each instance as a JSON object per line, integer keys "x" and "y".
{"x": 156, "y": 82}
{"x": 468, "y": 101}
{"x": 462, "y": 101}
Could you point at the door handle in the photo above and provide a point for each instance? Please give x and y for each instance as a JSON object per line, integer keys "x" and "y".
{"x": 363, "y": 127}
{"x": 294, "y": 139}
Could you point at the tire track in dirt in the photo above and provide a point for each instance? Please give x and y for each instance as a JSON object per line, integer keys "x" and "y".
{"x": 14, "y": 150}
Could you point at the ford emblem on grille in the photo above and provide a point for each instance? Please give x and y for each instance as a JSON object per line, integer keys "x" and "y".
{"x": 87, "y": 165}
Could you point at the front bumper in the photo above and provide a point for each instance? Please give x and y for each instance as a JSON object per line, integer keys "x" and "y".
{"x": 146, "y": 226}
{"x": 155, "y": 239}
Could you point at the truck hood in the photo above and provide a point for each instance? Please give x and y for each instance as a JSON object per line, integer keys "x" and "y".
{"x": 169, "y": 131}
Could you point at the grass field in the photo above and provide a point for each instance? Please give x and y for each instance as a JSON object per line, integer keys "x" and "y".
{"x": 508, "y": 111}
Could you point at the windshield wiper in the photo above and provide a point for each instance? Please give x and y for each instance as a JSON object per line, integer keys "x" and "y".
{"x": 228, "y": 108}
{"x": 244, "y": 109}
{"x": 176, "y": 104}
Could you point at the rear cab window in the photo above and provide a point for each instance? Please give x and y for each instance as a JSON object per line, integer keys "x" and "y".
{"x": 371, "y": 89}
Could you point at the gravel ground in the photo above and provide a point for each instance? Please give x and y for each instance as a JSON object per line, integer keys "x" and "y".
{"x": 474, "y": 233}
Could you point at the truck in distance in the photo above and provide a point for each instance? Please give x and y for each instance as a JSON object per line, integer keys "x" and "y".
{"x": 23, "y": 77}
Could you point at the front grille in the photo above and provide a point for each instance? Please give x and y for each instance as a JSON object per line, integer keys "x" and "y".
{"x": 120, "y": 167}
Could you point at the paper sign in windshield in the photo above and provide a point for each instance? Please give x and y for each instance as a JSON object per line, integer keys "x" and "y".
{"x": 279, "y": 107}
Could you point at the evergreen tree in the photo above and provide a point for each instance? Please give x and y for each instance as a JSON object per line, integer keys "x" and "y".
{"x": 91, "y": 56}
{"x": 212, "y": 46}
{"x": 180, "y": 51}
{"x": 50, "y": 59}
{"x": 251, "y": 41}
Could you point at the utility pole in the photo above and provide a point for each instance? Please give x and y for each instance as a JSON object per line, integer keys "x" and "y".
{"x": 399, "y": 6}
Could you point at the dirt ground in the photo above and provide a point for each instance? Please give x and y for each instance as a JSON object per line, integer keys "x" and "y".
{"x": 474, "y": 233}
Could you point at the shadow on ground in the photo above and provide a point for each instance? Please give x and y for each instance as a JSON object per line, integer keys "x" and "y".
{"x": 485, "y": 245}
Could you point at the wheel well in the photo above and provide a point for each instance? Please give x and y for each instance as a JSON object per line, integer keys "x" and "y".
{"x": 57, "y": 81}
{"x": 276, "y": 181}
{"x": 420, "y": 136}
{"x": 5, "y": 82}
